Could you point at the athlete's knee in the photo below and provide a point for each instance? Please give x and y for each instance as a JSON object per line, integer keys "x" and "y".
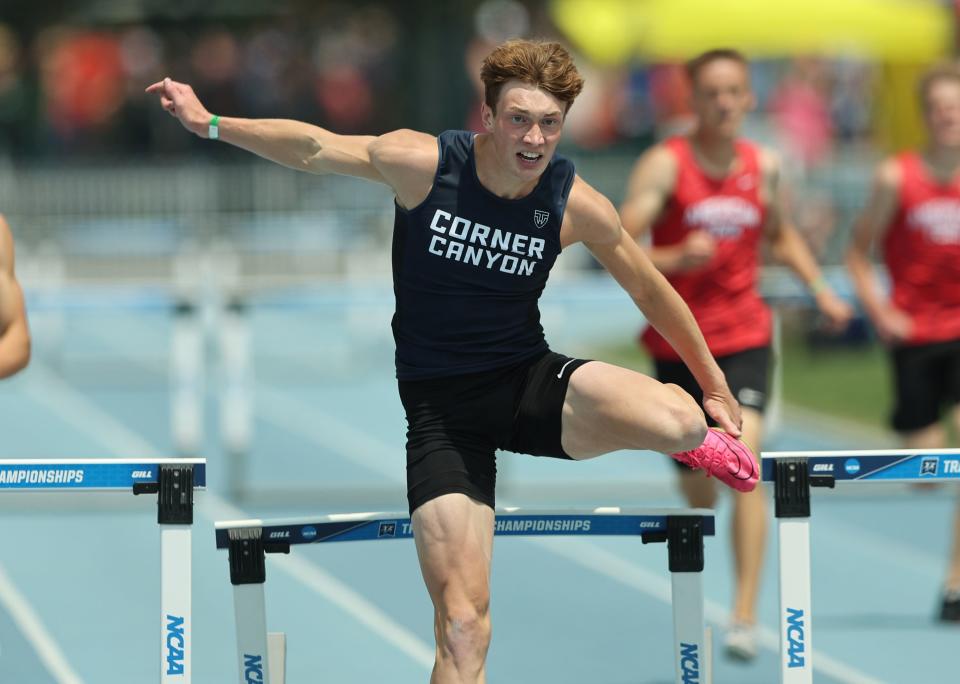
{"x": 684, "y": 425}
{"x": 464, "y": 631}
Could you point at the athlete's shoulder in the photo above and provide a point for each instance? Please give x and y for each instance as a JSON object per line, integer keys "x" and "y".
{"x": 889, "y": 173}
{"x": 664, "y": 155}
{"x": 769, "y": 159}
{"x": 593, "y": 217}
{"x": 407, "y": 160}
{"x": 402, "y": 140}
{"x": 655, "y": 168}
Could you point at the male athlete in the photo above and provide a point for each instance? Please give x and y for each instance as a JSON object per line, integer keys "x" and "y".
{"x": 914, "y": 215}
{"x": 480, "y": 219}
{"x": 707, "y": 201}
{"x": 14, "y": 332}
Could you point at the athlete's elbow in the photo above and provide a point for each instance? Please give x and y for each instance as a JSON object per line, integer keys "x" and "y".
{"x": 311, "y": 159}
{"x": 18, "y": 359}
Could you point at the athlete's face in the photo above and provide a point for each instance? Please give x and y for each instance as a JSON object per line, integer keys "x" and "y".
{"x": 722, "y": 97}
{"x": 943, "y": 112}
{"x": 525, "y": 126}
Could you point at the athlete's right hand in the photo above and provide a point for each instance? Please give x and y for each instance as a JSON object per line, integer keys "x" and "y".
{"x": 697, "y": 249}
{"x": 893, "y": 325}
{"x": 720, "y": 405}
{"x": 179, "y": 100}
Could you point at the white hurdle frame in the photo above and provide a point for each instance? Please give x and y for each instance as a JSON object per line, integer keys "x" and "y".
{"x": 683, "y": 529}
{"x": 793, "y": 473}
{"x": 174, "y": 481}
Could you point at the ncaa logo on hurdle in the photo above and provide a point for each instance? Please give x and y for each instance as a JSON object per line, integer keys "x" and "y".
{"x": 252, "y": 669}
{"x": 796, "y": 644}
{"x": 930, "y": 466}
{"x": 690, "y": 663}
{"x": 387, "y": 529}
{"x": 175, "y": 645}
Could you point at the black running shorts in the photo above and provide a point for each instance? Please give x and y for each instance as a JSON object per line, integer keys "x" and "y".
{"x": 456, "y": 424}
{"x": 926, "y": 379}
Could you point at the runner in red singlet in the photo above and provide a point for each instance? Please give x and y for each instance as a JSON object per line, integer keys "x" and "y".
{"x": 914, "y": 214}
{"x": 708, "y": 201}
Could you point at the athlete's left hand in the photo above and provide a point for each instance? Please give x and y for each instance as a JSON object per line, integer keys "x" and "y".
{"x": 723, "y": 408}
{"x": 836, "y": 312}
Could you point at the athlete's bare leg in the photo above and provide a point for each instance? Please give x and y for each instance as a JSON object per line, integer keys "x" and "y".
{"x": 935, "y": 437}
{"x": 952, "y": 582}
{"x": 749, "y": 530}
{"x": 953, "y": 570}
{"x": 608, "y": 408}
{"x": 748, "y": 524}
{"x": 454, "y": 538}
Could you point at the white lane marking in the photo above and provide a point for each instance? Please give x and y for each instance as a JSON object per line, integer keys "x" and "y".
{"x": 32, "y": 627}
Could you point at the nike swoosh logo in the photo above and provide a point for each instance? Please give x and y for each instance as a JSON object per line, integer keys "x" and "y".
{"x": 560, "y": 374}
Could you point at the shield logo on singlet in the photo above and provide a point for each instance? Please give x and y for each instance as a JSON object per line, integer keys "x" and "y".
{"x": 540, "y": 217}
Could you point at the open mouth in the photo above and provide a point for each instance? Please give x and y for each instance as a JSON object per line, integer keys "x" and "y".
{"x": 529, "y": 158}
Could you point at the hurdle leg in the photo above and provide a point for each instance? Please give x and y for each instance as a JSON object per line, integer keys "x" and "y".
{"x": 248, "y": 575}
{"x": 796, "y": 629}
{"x": 689, "y": 636}
{"x": 277, "y": 648}
{"x": 685, "y": 550}
{"x": 175, "y": 516}
{"x": 187, "y": 379}
{"x": 791, "y": 486}
{"x": 236, "y": 400}
{"x": 176, "y": 624}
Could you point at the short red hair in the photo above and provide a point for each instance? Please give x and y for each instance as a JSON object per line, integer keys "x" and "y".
{"x": 546, "y": 65}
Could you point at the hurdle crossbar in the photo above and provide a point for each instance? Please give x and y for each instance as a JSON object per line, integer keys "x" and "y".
{"x": 173, "y": 480}
{"x": 682, "y": 529}
{"x": 793, "y": 474}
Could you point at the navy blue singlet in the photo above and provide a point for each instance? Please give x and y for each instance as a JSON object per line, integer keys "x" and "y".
{"x": 469, "y": 268}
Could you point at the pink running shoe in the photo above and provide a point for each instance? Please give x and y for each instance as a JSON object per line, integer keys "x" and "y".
{"x": 726, "y": 458}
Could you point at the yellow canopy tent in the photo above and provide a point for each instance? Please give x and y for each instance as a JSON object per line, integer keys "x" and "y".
{"x": 904, "y": 35}
{"x": 614, "y": 31}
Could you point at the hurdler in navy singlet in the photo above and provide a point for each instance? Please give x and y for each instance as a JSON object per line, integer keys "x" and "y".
{"x": 469, "y": 268}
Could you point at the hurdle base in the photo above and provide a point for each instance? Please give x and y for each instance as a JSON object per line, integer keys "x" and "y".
{"x": 277, "y": 648}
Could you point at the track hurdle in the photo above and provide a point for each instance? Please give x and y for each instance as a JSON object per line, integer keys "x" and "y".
{"x": 793, "y": 473}
{"x": 174, "y": 482}
{"x": 248, "y": 541}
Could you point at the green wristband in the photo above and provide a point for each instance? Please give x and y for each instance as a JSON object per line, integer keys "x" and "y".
{"x": 818, "y": 285}
{"x": 213, "y": 129}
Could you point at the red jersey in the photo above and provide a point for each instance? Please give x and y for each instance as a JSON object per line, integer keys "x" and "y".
{"x": 922, "y": 252}
{"x": 722, "y": 294}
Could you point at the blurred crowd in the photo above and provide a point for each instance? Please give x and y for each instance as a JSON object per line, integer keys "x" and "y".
{"x": 71, "y": 90}
{"x": 76, "y": 91}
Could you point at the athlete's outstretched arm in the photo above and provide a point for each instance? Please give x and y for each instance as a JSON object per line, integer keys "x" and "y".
{"x": 788, "y": 247}
{"x": 14, "y": 332}
{"x": 892, "y": 324}
{"x": 591, "y": 218}
{"x": 295, "y": 144}
{"x": 651, "y": 184}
